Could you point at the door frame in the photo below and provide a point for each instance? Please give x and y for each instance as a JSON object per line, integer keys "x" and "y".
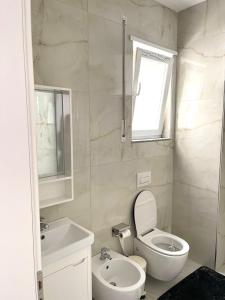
{"x": 28, "y": 51}
{"x": 20, "y": 222}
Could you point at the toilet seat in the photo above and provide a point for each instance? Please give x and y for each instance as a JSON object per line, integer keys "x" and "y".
{"x": 165, "y": 243}
{"x": 145, "y": 215}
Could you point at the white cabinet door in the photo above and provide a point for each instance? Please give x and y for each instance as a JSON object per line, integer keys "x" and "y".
{"x": 69, "y": 283}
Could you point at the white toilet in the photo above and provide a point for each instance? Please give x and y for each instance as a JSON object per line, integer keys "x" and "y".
{"x": 165, "y": 253}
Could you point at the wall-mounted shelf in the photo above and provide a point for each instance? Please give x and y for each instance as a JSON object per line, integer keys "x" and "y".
{"x": 55, "y": 192}
{"x": 54, "y": 201}
{"x": 54, "y": 145}
{"x": 53, "y": 179}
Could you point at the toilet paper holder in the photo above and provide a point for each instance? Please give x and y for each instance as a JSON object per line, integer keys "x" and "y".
{"x": 117, "y": 230}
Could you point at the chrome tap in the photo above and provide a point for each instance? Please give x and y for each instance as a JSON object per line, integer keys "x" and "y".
{"x": 104, "y": 254}
{"x": 43, "y": 226}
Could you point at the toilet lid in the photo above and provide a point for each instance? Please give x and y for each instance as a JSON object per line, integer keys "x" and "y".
{"x": 145, "y": 212}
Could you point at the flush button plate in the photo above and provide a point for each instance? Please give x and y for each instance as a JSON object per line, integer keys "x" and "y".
{"x": 144, "y": 179}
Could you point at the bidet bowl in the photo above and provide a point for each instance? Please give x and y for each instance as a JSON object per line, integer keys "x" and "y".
{"x": 118, "y": 278}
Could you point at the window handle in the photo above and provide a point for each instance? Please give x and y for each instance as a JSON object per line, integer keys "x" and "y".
{"x": 139, "y": 89}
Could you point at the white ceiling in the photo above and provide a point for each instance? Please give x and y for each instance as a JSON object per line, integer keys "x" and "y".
{"x": 179, "y": 5}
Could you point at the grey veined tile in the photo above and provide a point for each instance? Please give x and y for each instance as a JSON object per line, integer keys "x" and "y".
{"x": 106, "y": 116}
{"x": 63, "y": 65}
{"x": 153, "y": 21}
{"x": 62, "y": 23}
{"x": 81, "y": 130}
{"x": 105, "y": 56}
{"x": 61, "y": 48}
{"x": 113, "y": 189}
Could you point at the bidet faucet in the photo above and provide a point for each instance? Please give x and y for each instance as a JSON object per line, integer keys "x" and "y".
{"x": 104, "y": 254}
{"x": 43, "y": 225}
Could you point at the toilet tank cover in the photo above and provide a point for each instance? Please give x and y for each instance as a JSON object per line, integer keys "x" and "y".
{"x": 145, "y": 212}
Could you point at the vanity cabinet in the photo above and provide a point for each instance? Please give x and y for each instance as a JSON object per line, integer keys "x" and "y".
{"x": 69, "y": 283}
{"x": 69, "y": 278}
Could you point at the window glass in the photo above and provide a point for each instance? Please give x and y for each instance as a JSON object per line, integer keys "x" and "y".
{"x": 152, "y": 77}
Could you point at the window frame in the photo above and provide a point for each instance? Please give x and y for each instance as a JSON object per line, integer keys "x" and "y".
{"x": 143, "y": 135}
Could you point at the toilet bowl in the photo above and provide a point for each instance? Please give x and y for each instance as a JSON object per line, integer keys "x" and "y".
{"x": 165, "y": 253}
{"x": 118, "y": 278}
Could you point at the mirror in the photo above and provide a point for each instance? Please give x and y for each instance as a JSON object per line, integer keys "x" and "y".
{"x": 54, "y": 145}
{"x": 52, "y": 114}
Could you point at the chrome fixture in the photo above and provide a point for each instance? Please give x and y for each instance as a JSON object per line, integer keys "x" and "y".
{"x": 43, "y": 226}
{"x": 104, "y": 254}
{"x": 123, "y": 135}
{"x": 118, "y": 229}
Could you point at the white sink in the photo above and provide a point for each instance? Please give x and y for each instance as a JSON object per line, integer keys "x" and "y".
{"x": 62, "y": 238}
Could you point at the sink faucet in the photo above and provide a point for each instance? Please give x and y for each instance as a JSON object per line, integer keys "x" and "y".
{"x": 43, "y": 225}
{"x": 105, "y": 254}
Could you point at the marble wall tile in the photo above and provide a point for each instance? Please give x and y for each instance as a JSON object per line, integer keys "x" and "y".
{"x": 181, "y": 211}
{"x": 195, "y": 163}
{"x": 61, "y": 50}
{"x": 160, "y": 149}
{"x": 194, "y": 219}
{"x": 193, "y": 114}
{"x": 81, "y": 206}
{"x": 164, "y": 198}
{"x": 113, "y": 190}
{"x": 114, "y": 10}
{"x": 51, "y": 213}
{"x": 200, "y": 21}
{"x": 161, "y": 167}
{"x": 63, "y": 23}
{"x": 200, "y": 93}
{"x": 79, "y": 46}
{"x": 81, "y": 4}
{"x": 195, "y": 71}
{"x": 105, "y": 56}
{"x": 37, "y": 15}
{"x": 141, "y": 14}
{"x": 221, "y": 221}
{"x": 191, "y": 24}
{"x": 215, "y": 23}
{"x": 106, "y": 116}
{"x": 112, "y": 187}
{"x": 81, "y": 129}
{"x": 55, "y": 68}
{"x": 220, "y": 254}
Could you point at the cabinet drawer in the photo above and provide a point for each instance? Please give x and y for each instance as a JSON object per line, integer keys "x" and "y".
{"x": 69, "y": 283}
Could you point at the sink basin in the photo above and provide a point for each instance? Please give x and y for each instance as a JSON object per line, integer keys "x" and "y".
{"x": 62, "y": 238}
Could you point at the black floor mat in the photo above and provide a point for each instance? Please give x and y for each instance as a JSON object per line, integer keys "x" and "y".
{"x": 203, "y": 284}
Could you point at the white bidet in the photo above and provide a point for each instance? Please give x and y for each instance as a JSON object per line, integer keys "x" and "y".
{"x": 118, "y": 278}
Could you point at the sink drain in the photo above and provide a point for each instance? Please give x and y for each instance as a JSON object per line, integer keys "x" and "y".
{"x": 113, "y": 283}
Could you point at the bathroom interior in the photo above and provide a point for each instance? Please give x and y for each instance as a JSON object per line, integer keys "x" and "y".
{"x": 129, "y": 99}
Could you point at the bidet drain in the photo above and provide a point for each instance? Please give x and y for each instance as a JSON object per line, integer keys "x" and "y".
{"x": 113, "y": 283}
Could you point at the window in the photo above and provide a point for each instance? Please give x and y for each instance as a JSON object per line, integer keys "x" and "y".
{"x": 151, "y": 89}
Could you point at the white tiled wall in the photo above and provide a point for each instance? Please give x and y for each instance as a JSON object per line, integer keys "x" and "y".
{"x": 78, "y": 44}
{"x": 201, "y": 72}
